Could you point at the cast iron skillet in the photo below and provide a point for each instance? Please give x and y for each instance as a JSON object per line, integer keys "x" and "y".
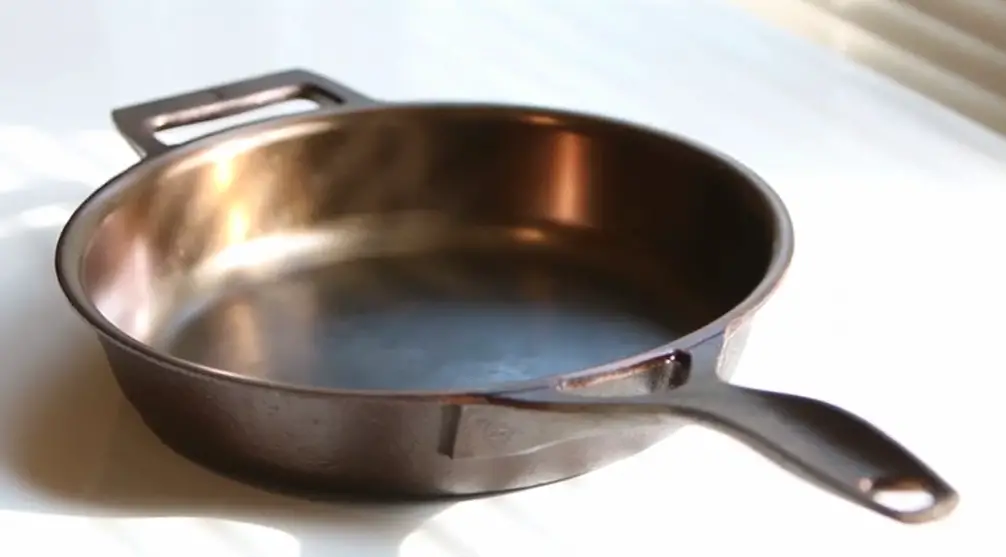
{"x": 443, "y": 299}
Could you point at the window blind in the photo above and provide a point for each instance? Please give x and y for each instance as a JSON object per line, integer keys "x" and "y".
{"x": 953, "y": 51}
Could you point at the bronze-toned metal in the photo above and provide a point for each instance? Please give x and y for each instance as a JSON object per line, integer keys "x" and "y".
{"x": 442, "y": 299}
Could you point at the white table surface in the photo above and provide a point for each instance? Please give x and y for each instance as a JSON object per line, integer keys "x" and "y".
{"x": 894, "y": 306}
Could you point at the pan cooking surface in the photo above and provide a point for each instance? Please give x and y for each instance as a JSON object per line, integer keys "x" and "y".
{"x": 445, "y": 320}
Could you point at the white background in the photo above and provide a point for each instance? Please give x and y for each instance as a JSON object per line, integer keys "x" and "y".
{"x": 894, "y": 306}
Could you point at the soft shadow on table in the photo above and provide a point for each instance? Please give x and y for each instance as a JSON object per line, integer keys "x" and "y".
{"x": 75, "y": 444}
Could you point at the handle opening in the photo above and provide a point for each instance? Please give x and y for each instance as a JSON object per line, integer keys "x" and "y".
{"x": 175, "y": 135}
{"x": 911, "y": 500}
{"x": 140, "y": 123}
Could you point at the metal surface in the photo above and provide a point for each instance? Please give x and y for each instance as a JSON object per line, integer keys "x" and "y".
{"x": 391, "y": 297}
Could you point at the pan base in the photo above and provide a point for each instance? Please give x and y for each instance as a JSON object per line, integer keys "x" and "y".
{"x": 441, "y": 320}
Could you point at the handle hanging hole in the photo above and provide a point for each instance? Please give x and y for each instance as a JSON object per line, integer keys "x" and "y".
{"x": 903, "y": 496}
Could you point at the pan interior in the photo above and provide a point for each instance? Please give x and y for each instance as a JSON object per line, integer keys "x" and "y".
{"x": 423, "y": 248}
{"x": 455, "y": 318}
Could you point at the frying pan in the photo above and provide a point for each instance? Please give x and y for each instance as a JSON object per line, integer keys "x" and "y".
{"x": 431, "y": 299}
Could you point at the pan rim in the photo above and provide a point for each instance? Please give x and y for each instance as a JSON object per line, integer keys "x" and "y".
{"x": 79, "y": 229}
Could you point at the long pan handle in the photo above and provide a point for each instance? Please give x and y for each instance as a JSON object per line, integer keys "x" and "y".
{"x": 815, "y": 440}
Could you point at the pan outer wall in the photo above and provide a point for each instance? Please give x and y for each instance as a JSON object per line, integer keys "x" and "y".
{"x": 324, "y": 445}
